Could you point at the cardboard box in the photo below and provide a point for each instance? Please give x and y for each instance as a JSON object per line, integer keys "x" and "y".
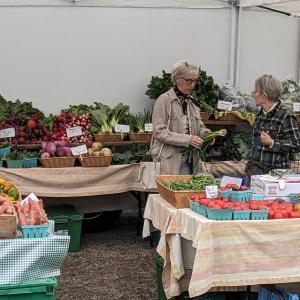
{"x": 275, "y": 186}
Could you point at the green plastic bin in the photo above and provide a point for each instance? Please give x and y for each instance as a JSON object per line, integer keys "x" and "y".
{"x": 159, "y": 262}
{"x": 41, "y": 289}
{"x": 67, "y": 220}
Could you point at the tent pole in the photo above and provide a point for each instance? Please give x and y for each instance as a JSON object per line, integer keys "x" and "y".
{"x": 238, "y": 46}
{"x": 233, "y": 38}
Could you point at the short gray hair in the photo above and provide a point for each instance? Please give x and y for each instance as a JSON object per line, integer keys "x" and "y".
{"x": 270, "y": 85}
{"x": 183, "y": 67}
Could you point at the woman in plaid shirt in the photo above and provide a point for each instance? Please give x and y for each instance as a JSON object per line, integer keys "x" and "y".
{"x": 275, "y": 131}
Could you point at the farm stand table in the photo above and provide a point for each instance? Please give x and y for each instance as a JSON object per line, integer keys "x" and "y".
{"x": 201, "y": 254}
{"x": 89, "y": 189}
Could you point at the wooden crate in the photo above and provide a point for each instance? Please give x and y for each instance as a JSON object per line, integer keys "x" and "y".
{"x": 8, "y": 225}
{"x": 95, "y": 161}
{"x": 140, "y": 137}
{"x": 179, "y": 199}
{"x": 108, "y": 138}
{"x": 58, "y": 162}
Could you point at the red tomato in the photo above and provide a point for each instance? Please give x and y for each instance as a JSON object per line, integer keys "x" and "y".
{"x": 278, "y": 215}
{"x": 243, "y": 188}
{"x": 192, "y": 196}
{"x": 295, "y": 214}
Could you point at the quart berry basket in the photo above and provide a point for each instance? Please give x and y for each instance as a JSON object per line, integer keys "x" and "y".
{"x": 30, "y": 162}
{"x": 241, "y": 214}
{"x": 241, "y": 196}
{"x": 17, "y": 163}
{"x": 294, "y": 198}
{"x": 219, "y": 214}
{"x": 201, "y": 209}
{"x": 225, "y": 194}
{"x": 259, "y": 214}
{"x": 4, "y": 152}
{"x": 258, "y": 197}
{"x": 34, "y": 231}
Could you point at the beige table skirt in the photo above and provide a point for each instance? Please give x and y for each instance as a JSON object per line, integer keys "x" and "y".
{"x": 224, "y": 253}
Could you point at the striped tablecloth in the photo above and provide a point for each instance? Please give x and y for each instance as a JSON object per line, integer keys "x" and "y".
{"x": 228, "y": 253}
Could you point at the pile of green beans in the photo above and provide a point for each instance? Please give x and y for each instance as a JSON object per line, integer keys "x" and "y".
{"x": 197, "y": 182}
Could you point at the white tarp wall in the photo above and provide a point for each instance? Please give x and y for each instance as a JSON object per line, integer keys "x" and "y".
{"x": 56, "y": 52}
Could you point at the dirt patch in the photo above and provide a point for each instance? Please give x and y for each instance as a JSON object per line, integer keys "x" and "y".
{"x": 114, "y": 264}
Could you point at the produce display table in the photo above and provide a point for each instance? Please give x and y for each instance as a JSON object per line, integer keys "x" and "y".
{"x": 32, "y": 258}
{"x": 75, "y": 181}
{"x": 224, "y": 253}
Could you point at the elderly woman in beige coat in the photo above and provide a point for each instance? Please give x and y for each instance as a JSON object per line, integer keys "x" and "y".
{"x": 177, "y": 123}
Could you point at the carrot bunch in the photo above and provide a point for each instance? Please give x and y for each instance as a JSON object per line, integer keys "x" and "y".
{"x": 31, "y": 213}
{"x": 5, "y": 206}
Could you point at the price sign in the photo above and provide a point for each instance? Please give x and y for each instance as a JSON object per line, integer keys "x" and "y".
{"x": 79, "y": 150}
{"x": 7, "y": 133}
{"x": 148, "y": 127}
{"x": 74, "y": 131}
{"x": 291, "y": 88}
{"x": 296, "y": 106}
{"x": 211, "y": 191}
{"x": 32, "y": 196}
{"x": 224, "y": 105}
{"x": 122, "y": 128}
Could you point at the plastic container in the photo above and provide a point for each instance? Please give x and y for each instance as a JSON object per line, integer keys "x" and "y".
{"x": 17, "y": 163}
{"x": 41, "y": 289}
{"x": 30, "y": 162}
{"x": 4, "y": 152}
{"x": 259, "y": 214}
{"x": 34, "y": 231}
{"x": 265, "y": 294}
{"x": 67, "y": 220}
{"x": 219, "y": 214}
{"x": 241, "y": 196}
{"x": 294, "y": 198}
{"x": 241, "y": 214}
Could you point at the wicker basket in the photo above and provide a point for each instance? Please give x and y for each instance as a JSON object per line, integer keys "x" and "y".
{"x": 228, "y": 116}
{"x": 95, "y": 161}
{"x": 58, "y": 162}
{"x": 140, "y": 137}
{"x": 179, "y": 199}
{"x": 107, "y": 138}
{"x": 8, "y": 225}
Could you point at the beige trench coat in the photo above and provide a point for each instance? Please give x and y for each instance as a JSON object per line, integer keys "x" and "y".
{"x": 167, "y": 106}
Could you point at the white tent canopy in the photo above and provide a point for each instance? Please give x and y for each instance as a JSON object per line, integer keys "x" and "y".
{"x": 289, "y": 7}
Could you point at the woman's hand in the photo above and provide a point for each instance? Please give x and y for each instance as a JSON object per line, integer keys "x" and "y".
{"x": 196, "y": 141}
{"x": 266, "y": 139}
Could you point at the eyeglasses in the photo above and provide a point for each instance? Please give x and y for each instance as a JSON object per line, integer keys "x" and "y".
{"x": 253, "y": 93}
{"x": 189, "y": 81}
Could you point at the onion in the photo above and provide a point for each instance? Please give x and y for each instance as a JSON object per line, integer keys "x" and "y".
{"x": 50, "y": 148}
{"x": 105, "y": 152}
{"x": 44, "y": 145}
{"x": 59, "y": 144}
{"x": 45, "y": 155}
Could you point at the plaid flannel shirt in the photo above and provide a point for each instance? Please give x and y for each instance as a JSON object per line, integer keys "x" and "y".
{"x": 283, "y": 129}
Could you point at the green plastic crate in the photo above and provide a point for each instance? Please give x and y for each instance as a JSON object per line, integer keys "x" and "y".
{"x": 41, "y": 289}
{"x": 67, "y": 219}
{"x": 159, "y": 262}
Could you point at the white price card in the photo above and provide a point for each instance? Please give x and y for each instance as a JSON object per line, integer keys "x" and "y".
{"x": 296, "y": 106}
{"x": 224, "y": 105}
{"x": 148, "y": 127}
{"x": 79, "y": 150}
{"x": 32, "y": 196}
{"x": 7, "y": 133}
{"x": 211, "y": 191}
{"x": 227, "y": 179}
{"x": 122, "y": 128}
{"x": 74, "y": 131}
{"x": 291, "y": 88}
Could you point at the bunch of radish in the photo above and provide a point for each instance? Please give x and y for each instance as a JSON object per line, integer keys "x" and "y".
{"x": 67, "y": 120}
{"x": 5, "y": 206}
{"x": 31, "y": 213}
